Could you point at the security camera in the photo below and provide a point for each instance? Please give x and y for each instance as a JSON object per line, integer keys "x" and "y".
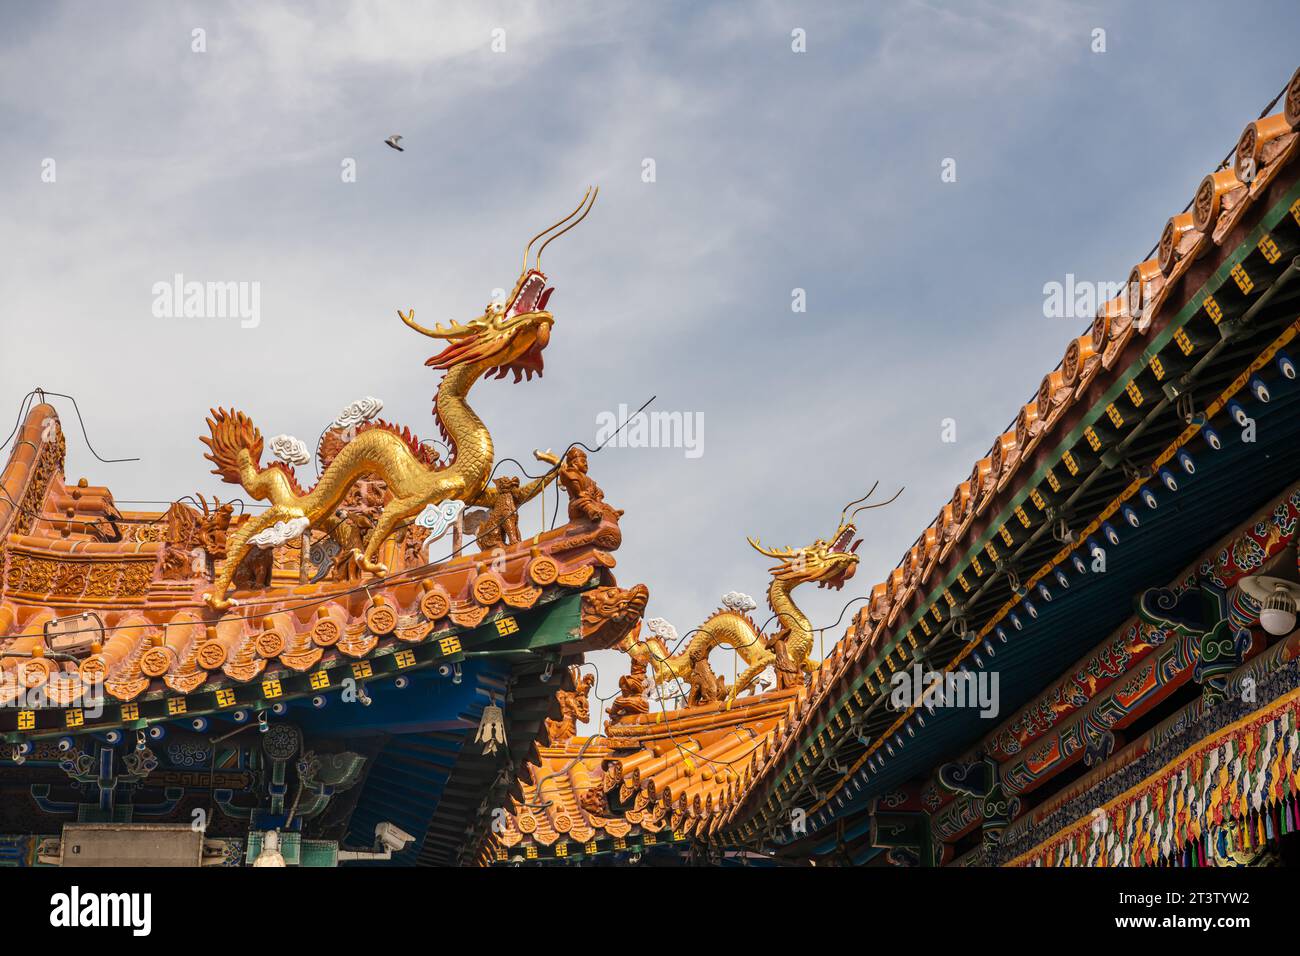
{"x": 391, "y": 837}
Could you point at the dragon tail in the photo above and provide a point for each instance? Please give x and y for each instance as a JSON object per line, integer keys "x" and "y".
{"x": 231, "y": 433}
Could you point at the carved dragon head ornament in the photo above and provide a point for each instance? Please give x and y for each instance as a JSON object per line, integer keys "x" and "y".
{"x": 829, "y": 563}
{"x": 509, "y": 336}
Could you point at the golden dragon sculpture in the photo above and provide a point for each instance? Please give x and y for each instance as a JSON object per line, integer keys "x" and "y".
{"x": 828, "y": 563}
{"x": 508, "y": 337}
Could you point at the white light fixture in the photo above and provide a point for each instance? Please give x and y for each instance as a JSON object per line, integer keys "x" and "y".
{"x": 1277, "y": 598}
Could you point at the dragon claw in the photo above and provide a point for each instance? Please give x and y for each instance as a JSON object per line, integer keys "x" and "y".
{"x": 218, "y": 604}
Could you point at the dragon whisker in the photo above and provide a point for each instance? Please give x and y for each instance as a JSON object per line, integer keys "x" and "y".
{"x": 554, "y": 226}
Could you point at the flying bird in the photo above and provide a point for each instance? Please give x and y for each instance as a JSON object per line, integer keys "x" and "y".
{"x": 393, "y": 141}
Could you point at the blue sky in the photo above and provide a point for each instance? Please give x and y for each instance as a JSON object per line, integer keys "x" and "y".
{"x": 774, "y": 171}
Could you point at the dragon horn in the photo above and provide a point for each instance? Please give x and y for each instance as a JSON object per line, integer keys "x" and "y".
{"x": 769, "y": 552}
{"x": 437, "y": 332}
{"x": 556, "y": 225}
{"x": 880, "y": 504}
{"x": 858, "y": 501}
{"x": 594, "y": 193}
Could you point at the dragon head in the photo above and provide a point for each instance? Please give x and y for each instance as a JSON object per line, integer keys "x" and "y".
{"x": 829, "y": 563}
{"x": 509, "y": 336}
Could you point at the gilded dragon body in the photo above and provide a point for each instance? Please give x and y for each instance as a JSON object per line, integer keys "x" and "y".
{"x": 787, "y": 648}
{"x": 508, "y": 337}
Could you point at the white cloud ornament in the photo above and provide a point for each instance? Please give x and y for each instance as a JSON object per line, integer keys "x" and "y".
{"x": 661, "y": 629}
{"x": 738, "y": 601}
{"x": 362, "y": 410}
{"x": 439, "y": 517}
{"x": 280, "y": 533}
{"x": 290, "y": 450}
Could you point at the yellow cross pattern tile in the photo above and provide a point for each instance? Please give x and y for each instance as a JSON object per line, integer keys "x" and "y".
{"x": 1021, "y": 516}
{"x": 1212, "y": 309}
{"x": 1240, "y": 276}
{"x": 991, "y": 551}
{"x": 271, "y": 688}
{"x": 1113, "y": 414}
{"x": 175, "y": 705}
{"x": 1006, "y": 536}
{"x": 130, "y": 711}
{"x": 1052, "y": 481}
{"x": 562, "y": 849}
{"x": 404, "y": 658}
{"x": 451, "y": 645}
{"x": 1071, "y": 465}
{"x": 590, "y": 846}
{"x": 225, "y": 697}
{"x": 507, "y": 625}
{"x": 1269, "y": 250}
{"x": 320, "y": 680}
{"x": 1157, "y": 368}
{"x": 361, "y": 670}
{"x": 1037, "y": 499}
{"x": 530, "y": 852}
{"x": 26, "y": 720}
{"x": 1094, "y": 442}
{"x": 74, "y": 718}
{"x": 1184, "y": 343}
{"x": 620, "y": 843}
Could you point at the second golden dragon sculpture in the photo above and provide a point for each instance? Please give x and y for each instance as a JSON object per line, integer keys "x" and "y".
{"x": 787, "y": 648}
{"x": 508, "y": 337}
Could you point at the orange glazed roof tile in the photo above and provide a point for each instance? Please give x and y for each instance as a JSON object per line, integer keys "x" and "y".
{"x": 668, "y": 774}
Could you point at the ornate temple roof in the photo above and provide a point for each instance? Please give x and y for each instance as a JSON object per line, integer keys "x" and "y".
{"x": 104, "y": 630}
{"x": 80, "y": 573}
{"x": 1192, "y": 333}
{"x": 652, "y": 778}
